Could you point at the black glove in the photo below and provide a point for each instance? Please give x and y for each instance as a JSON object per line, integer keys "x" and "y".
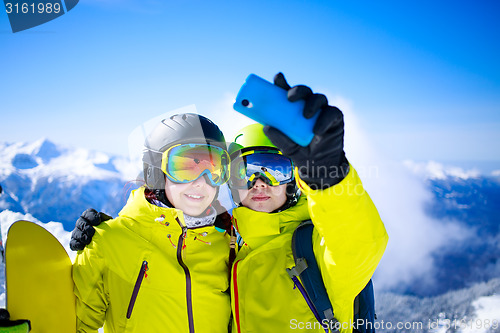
{"x": 322, "y": 163}
{"x": 7, "y": 325}
{"x": 84, "y": 228}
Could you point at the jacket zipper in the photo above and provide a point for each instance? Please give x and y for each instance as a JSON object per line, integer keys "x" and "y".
{"x": 189, "y": 299}
{"x": 138, "y": 282}
{"x": 236, "y": 299}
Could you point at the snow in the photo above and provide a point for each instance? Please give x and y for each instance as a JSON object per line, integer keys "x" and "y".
{"x": 53, "y": 182}
{"x": 487, "y": 310}
{"x": 43, "y": 158}
{"x": 7, "y": 218}
{"x": 485, "y": 318}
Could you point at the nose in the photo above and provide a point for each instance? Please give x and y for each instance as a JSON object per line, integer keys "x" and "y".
{"x": 259, "y": 183}
{"x": 200, "y": 181}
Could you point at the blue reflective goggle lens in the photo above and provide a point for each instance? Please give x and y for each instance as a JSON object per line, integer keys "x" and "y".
{"x": 187, "y": 162}
{"x": 274, "y": 169}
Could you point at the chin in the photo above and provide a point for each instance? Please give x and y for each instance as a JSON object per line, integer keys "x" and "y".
{"x": 194, "y": 213}
{"x": 263, "y": 209}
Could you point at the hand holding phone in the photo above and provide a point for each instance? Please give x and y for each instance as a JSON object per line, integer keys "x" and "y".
{"x": 268, "y": 104}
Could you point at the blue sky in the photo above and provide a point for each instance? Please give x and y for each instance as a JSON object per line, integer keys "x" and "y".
{"x": 422, "y": 78}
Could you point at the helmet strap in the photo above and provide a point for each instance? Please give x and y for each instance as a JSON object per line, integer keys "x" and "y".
{"x": 292, "y": 196}
{"x": 162, "y": 197}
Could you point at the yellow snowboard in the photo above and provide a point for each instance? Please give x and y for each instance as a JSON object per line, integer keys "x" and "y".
{"x": 38, "y": 279}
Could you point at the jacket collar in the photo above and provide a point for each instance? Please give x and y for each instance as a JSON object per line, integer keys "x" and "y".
{"x": 139, "y": 208}
{"x": 257, "y": 228}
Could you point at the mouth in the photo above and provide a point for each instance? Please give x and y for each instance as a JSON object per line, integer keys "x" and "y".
{"x": 194, "y": 197}
{"x": 260, "y": 197}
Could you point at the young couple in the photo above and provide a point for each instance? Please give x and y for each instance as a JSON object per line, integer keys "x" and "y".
{"x": 167, "y": 262}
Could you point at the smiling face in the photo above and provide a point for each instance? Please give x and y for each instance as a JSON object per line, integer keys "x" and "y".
{"x": 263, "y": 198}
{"x": 192, "y": 198}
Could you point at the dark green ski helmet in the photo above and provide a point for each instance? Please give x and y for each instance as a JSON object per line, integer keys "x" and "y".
{"x": 179, "y": 128}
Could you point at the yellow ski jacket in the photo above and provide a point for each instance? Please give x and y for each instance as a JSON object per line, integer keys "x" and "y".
{"x": 349, "y": 239}
{"x": 146, "y": 272}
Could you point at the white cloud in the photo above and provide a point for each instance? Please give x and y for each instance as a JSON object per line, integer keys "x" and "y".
{"x": 400, "y": 196}
{"x": 435, "y": 170}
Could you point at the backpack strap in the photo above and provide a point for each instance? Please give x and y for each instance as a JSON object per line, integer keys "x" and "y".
{"x": 364, "y": 310}
{"x": 312, "y": 287}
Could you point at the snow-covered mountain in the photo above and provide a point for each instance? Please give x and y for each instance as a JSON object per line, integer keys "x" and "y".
{"x": 54, "y": 183}
{"x": 473, "y": 309}
{"x": 51, "y": 185}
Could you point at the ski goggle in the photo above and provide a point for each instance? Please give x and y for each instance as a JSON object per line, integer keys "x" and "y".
{"x": 185, "y": 163}
{"x": 270, "y": 166}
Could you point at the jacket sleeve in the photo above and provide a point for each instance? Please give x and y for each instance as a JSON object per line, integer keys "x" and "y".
{"x": 350, "y": 238}
{"x": 88, "y": 277}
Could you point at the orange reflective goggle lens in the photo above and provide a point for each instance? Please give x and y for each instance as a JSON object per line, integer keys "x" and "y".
{"x": 187, "y": 162}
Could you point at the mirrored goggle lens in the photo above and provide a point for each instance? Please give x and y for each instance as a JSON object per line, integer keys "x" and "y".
{"x": 275, "y": 169}
{"x": 187, "y": 162}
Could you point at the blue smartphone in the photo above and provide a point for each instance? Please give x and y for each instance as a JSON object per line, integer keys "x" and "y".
{"x": 267, "y": 104}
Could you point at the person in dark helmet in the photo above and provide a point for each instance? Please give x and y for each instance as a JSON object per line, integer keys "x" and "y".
{"x": 162, "y": 264}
